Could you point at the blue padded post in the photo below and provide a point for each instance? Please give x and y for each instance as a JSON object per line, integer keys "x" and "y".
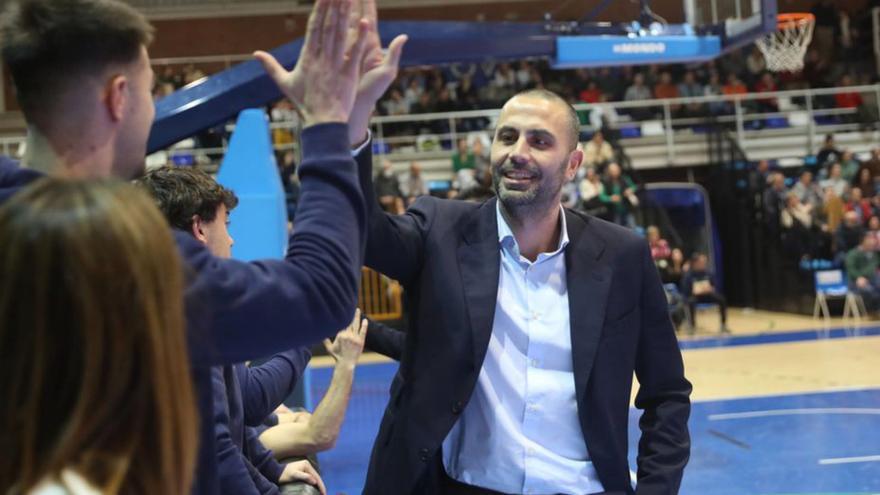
{"x": 259, "y": 222}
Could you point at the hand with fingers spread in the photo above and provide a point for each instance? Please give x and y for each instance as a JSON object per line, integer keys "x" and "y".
{"x": 378, "y": 71}
{"x": 348, "y": 345}
{"x": 302, "y": 471}
{"x": 324, "y": 82}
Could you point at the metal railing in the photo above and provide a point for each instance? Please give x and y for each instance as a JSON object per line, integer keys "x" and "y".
{"x": 671, "y": 131}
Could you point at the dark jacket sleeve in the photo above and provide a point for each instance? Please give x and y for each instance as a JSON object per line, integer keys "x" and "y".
{"x": 664, "y": 393}
{"x": 237, "y": 475}
{"x": 264, "y": 462}
{"x": 395, "y": 243}
{"x": 385, "y": 340}
{"x": 265, "y": 386}
{"x": 240, "y": 311}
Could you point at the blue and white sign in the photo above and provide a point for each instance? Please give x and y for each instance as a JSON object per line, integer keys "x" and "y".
{"x": 589, "y": 51}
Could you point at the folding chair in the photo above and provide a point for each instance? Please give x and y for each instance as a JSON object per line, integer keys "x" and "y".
{"x": 832, "y": 284}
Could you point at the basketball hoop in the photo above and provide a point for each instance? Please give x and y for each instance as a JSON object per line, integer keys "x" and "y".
{"x": 784, "y": 49}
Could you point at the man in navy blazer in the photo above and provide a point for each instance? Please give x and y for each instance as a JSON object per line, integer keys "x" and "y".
{"x": 527, "y": 322}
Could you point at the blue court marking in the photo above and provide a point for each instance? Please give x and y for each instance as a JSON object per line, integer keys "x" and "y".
{"x": 778, "y": 337}
{"x": 817, "y": 443}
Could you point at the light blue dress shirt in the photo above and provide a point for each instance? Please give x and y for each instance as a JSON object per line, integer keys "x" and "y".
{"x": 520, "y": 432}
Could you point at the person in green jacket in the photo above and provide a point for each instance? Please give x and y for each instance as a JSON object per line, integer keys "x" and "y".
{"x": 861, "y": 270}
{"x": 619, "y": 196}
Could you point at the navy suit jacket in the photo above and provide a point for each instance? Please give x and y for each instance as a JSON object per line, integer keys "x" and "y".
{"x": 446, "y": 254}
{"x": 238, "y": 311}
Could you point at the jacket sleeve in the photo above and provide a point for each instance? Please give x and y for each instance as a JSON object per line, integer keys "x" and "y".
{"x": 264, "y": 462}
{"x": 385, "y": 340}
{"x": 237, "y": 475}
{"x": 664, "y": 393}
{"x": 240, "y": 311}
{"x": 265, "y": 386}
{"x": 395, "y": 243}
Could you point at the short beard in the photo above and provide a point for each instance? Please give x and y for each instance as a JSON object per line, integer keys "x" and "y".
{"x": 534, "y": 201}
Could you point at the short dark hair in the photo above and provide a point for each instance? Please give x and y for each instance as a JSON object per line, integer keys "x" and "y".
{"x": 574, "y": 123}
{"x": 48, "y": 44}
{"x": 181, "y": 193}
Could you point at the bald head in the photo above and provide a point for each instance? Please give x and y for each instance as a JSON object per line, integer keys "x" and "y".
{"x": 572, "y": 124}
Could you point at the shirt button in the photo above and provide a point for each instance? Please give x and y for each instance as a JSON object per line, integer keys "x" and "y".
{"x": 535, "y": 363}
{"x": 457, "y": 407}
{"x": 423, "y": 455}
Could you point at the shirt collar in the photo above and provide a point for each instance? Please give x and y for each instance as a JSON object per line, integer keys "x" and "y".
{"x": 508, "y": 241}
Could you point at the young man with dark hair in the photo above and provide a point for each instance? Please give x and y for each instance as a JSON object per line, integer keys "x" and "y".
{"x": 90, "y": 117}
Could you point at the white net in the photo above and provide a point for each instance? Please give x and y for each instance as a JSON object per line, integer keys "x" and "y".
{"x": 784, "y": 49}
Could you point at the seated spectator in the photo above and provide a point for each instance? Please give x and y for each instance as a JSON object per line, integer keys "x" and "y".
{"x": 464, "y": 164}
{"x": 873, "y": 164}
{"x": 591, "y": 190}
{"x": 300, "y": 434}
{"x": 714, "y": 88}
{"x": 591, "y": 93}
{"x": 660, "y": 251}
{"x": 690, "y": 88}
{"x": 396, "y": 104}
{"x": 734, "y": 86}
{"x": 847, "y": 100}
{"x": 638, "y": 92}
{"x": 848, "y": 235}
{"x": 676, "y": 268}
{"x": 835, "y": 181}
{"x": 861, "y": 271}
{"x": 807, "y": 191}
{"x": 388, "y": 189}
{"x": 828, "y": 153}
{"x": 665, "y": 88}
{"x": 697, "y": 286}
{"x": 767, "y": 84}
{"x": 414, "y": 186}
{"x": 797, "y": 223}
{"x": 849, "y": 166}
{"x": 91, "y": 300}
{"x": 619, "y": 196}
{"x": 865, "y": 183}
{"x": 774, "y": 200}
{"x": 598, "y": 153}
{"x": 861, "y": 206}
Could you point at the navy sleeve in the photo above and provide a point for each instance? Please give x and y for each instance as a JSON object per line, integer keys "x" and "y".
{"x": 235, "y": 473}
{"x": 385, "y": 340}
{"x": 262, "y": 458}
{"x": 264, "y": 387}
{"x": 239, "y": 311}
{"x": 664, "y": 392}
{"x": 405, "y": 233}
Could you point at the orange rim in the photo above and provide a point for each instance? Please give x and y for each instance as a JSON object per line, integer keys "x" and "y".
{"x": 791, "y": 20}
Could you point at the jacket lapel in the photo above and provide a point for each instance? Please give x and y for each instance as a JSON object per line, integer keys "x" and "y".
{"x": 589, "y": 281}
{"x": 479, "y": 263}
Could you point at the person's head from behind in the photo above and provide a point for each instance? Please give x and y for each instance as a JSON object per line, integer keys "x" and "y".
{"x": 83, "y": 79}
{"x": 194, "y": 202}
{"x": 534, "y": 152}
{"x": 95, "y": 370}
